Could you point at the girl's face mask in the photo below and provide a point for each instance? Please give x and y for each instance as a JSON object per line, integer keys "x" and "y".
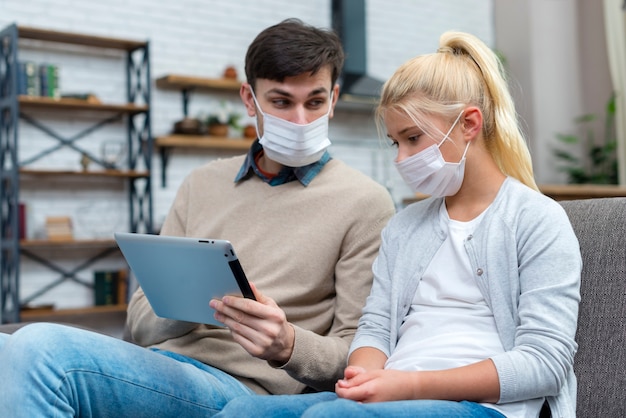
{"x": 427, "y": 172}
{"x": 292, "y": 144}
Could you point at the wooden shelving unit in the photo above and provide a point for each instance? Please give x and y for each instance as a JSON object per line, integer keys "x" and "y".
{"x": 28, "y": 32}
{"x": 181, "y": 82}
{"x": 68, "y": 244}
{"x": 130, "y": 174}
{"x": 16, "y": 109}
{"x": 55, "y": 314}
{"x": 186, "y": 84}
{"x": 32, "y": 102}
{"x": 203, "y": 141}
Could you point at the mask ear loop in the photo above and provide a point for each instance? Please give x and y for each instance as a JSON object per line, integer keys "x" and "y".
{"x": 451, "y": 128}
{"x": 256, "y": 118}
{"x": 256, "y": 102}
{"x": 330, "y": 102}
{"x": 468, "y": 143}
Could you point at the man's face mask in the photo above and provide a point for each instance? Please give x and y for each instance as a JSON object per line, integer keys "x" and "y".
{"x": 292, "y": 144}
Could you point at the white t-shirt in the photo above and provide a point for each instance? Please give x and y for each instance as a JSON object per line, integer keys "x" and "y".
{"x": 449, "y": 323}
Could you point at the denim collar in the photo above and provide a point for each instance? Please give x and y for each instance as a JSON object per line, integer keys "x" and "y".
{"x": 303, "y": 174}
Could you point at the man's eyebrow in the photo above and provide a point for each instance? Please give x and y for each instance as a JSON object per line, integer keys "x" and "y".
{"x": 278, "y": 90}
{"x": 318, "y": 91}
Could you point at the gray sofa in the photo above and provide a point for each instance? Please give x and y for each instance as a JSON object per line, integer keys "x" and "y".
{"x": 600, "y": 363}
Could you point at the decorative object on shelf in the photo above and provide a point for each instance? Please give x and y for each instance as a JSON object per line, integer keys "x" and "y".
{"x": 595, "y": 162}
{"x": 230, "y": 72}
{"x": 84, "y": 161}
{"x": 249, "y": 131}
{"x": 189, "y": 126}
{"x": 218, "y": 129}
{"x": 221, "y": 118}
{"x": 112, "y": 153}
{"x": 88, "y": 97}
{"x": 59, "y": 228}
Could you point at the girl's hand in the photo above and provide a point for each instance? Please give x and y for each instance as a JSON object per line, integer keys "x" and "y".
{"x": 376, "y": 385}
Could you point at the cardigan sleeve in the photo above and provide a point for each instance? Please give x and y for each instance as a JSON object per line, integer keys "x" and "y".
{"x": 548, "y": 268}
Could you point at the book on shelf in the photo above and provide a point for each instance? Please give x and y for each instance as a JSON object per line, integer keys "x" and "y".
{"x": 110, "y": 287}
{"x": 35, "y": 79}
{"x": 21, "y": 79}
{"x": 49, "y": 81}
{"x": 27, "y": 78}
{"x": 22, "y": 217}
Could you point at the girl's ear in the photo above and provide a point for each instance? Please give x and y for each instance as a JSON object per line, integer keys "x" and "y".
{"x": 472, "y": 123}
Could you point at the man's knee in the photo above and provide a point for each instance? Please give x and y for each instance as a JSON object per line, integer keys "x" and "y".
{"x": 39, "y": 342}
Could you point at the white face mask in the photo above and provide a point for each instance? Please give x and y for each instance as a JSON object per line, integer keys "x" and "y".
{"x": 427, "y": 172}
{"x": 292, "y": 144}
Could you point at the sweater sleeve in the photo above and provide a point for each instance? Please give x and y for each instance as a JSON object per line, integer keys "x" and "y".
{"x": 319, "y": 360}
{"x": 375, "y": 323}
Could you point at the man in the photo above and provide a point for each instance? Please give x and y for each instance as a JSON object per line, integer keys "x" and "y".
{"x": 306, "y": 228}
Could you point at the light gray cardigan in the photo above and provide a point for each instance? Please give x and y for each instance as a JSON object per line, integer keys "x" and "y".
{"x": 527, "y": 265}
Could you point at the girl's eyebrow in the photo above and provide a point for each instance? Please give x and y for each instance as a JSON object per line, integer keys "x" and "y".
{"x": 405, "y": 129}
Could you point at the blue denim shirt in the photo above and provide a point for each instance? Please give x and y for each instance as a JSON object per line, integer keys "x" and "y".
{"x": 304, "y": 174}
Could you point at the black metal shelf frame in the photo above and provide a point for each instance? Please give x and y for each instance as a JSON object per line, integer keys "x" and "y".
{"x": 9, "y": 179}
{"x": 139, "y": 143}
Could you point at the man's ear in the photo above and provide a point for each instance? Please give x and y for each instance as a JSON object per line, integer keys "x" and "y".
{"x": 246, "y": 98}
{"x": 472, "y": 123}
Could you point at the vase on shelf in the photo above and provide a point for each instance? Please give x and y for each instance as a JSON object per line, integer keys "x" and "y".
{"x": 249, "y": 132}
{"x": 218, "y": 129}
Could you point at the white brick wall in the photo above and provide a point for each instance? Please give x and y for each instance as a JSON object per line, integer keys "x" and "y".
{"x": 196, "y": 37}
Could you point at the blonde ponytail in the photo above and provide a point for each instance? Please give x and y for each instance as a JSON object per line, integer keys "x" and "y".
{"x": 464, "y": 71}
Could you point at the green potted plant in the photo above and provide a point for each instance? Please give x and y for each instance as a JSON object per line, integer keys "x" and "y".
{"x": 598, "y": 161}
{"x": 221, "y": 118}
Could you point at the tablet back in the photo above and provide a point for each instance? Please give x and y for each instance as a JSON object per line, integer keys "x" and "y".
{"x": 180, "y": 275}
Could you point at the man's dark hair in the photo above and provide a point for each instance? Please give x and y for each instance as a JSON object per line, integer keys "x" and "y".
{"x": 291, "y": 48}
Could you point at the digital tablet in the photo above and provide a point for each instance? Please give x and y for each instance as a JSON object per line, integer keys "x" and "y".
{"x": 180, "y": 275}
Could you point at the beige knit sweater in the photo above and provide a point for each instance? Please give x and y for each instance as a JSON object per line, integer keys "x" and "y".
{"x": 308, "y": 248}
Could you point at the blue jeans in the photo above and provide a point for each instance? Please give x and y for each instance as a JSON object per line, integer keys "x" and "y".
{"x": 327, "y": 405}
{"x": 49, "y": 370}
